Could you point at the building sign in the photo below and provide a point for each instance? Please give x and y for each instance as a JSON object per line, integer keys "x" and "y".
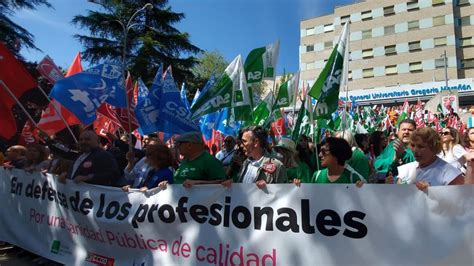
{"x": 407, "y": 91}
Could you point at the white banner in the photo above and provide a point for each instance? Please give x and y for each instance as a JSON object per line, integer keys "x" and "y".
{"x": 79, "y": 224}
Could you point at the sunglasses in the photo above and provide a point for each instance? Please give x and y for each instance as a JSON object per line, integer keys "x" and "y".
{"x": 446, "y": 133}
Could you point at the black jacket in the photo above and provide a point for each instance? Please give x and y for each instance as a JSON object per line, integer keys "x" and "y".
{"x": 99, "y": 164}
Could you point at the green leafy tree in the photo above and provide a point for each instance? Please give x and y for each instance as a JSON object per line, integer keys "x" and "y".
{"x": 208, "y": 64}
{"x": 14, "y": 35}
{"x": 151, "y": 38}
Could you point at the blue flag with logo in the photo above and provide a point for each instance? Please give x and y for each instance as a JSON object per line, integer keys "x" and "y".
{"x": 207, "y": 124}
{"x": 84, "y": 92}
{"x": 184, "y": 98}
{"x": 226, "y": 123}
{"x": 163, "y": 109}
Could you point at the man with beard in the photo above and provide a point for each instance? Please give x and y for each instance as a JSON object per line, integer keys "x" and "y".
{"x": 397, "y": 152}
{"x": 259, "y": 167}
{"x": 94, "y": 165}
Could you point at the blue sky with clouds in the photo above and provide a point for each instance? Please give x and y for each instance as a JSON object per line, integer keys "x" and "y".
{"x": 228, "y": 26}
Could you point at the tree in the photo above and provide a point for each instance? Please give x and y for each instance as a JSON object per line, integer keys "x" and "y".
{"x": 11, "y": 33}
{"x": 209, "y": 63}
{"x": 151, "y": 41}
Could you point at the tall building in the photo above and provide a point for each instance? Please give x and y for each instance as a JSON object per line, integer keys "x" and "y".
{"x": 396, "y": 46}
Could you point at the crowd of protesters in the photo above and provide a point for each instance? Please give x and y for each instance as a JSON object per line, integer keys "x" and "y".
{"x": 420, "y": 156}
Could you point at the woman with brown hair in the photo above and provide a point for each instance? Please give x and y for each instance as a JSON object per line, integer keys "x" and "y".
{"x": 428, "y": 169}
{"x": 160, "y": 159}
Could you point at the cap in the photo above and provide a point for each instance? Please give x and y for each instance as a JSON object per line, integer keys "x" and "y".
{"x": 287, "y": 144}
{"x": 191, "y": 137}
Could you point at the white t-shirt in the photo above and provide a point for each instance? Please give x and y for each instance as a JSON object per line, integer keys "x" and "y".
{"x": 251, "y": 172}
{"x": 438, "y": 173}
{"x": 454, "y": 156}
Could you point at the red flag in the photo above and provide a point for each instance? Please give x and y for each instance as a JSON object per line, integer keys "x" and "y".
{"x": 278, "y": 127}
{"x": 120, "y": 115}
{"x": 29, "y": 134}
{"x": 49, "y": 70}
{"x": 13, "y": 77}
{"x": 51, "y": 121}
{"x": 103, "y": 125}
{"x": 76, "y": 66}
{"x": 419, "y": 115}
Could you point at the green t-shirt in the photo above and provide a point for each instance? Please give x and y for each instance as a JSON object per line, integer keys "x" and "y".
{"x": 301, "y": 172}
{"x": 321, "y": 177}
{"x": 360, "y": 163}
{"x": 204, "y": 167}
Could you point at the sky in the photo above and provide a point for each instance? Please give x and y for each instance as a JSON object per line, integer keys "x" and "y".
{"x": 230, "y": 27}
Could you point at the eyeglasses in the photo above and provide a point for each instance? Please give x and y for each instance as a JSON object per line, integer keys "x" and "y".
{"x": 445, "y": 133}
{"x": 324, "y": 151}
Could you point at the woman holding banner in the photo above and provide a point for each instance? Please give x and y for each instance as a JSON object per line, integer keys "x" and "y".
{"x": 428, "y": 169}
{"x": 334, "y": 153}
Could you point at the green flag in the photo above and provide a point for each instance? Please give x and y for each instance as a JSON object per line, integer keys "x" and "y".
{"x": 263, "y": 110}
{"x": 261, "y": 62}
{"x": 302, "y": 124}
{"x": 326, "y": 87}
{"x": 230, "y": 90}
{"x": 404, "y": 114}
{"x": 287, "y": 92}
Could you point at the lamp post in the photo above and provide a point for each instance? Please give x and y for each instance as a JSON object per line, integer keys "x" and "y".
{"x": 126, "y": 28}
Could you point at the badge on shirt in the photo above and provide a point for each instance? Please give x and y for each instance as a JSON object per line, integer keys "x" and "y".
{"x": 87, "y": 164}
{"x": 269, "y": 167}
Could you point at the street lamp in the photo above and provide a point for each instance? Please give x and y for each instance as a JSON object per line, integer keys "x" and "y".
{"x": 126, "y": 28}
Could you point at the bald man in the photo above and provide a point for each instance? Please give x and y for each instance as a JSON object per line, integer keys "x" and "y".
{"x": 94, "y": 165}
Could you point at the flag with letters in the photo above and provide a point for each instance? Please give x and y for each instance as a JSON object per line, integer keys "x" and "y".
{"x": 326, "y": 88}
{"x": 230, "y": 90}
{"x": 163, "y": 109}
{"x": 261, "y": 62}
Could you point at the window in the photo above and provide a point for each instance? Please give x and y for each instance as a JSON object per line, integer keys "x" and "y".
{"x": 466, "y": 42}
{"x": 415, "y": 67}
{"x": 328, "y": 45}
{"x": 412, "y": 5}
{"x": 441, "y": 41}
{"x": 389, "y": 29}
{"x": 390, "y": 50}
{"x": 368, "y": 73}
{"x": 467, "y": 63}
{"x": 366, "y": 34}
{"x": 437, "y": 2}
{"x": 345, "y": 19}
{"x": 465, "y": 21}
{"x": 366, "y": 15}
{"x": 310, "y": 31}
{"x": 309, "y": 48}
{"x": 438, "y": 21}
{"x": 328, "y": 27}
{"x": 349, "y": 75}
{"x": 367, "y": 53}
{"x": 413, "y": 25}
{"x": 439, "y": 63}
{"x": 414, "y": 46}
{"x": 391, "y": 70}
{"x": 463, "y": 2}
{"x": 389, "y": 10}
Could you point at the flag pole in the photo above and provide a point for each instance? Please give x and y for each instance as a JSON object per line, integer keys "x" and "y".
{"x": 346, "y": 78}
{"x": 310, "y": 108}
{"x": 58, "y": 112}
{"x": 19, "y": 103}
